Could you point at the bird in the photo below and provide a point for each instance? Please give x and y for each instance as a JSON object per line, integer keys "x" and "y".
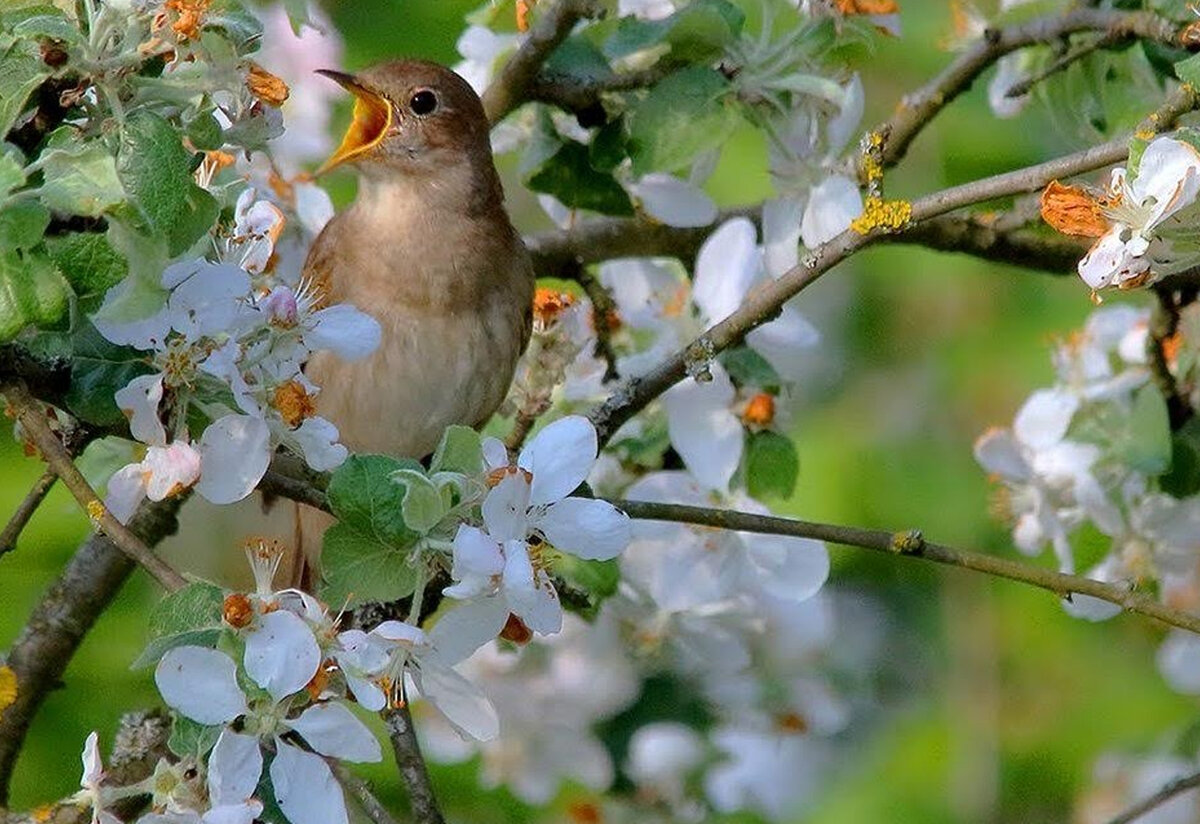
{"x": 428, "y": 249}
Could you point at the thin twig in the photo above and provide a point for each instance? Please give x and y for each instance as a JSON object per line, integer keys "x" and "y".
{"x": 361, "y": 790}
{"x": 1169, "y": 791}
{"x": 57, "y": 626}
{"x": 412, "y": 766}
{"x": 1023, "y": 87}
{"x": 31, "y": 414}
{"x": 764, "y": 303}
{"x": 603, "y": 315}
{"x": 511, "y": 86}
{"x": 919, "y": 108}
{"x": 29, "y": 505}
{"x": 573, "y": 95}
{"x": 912, "y": 544}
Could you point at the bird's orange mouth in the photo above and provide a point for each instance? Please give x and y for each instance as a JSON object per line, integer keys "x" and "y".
{"x": 370, "y": 124}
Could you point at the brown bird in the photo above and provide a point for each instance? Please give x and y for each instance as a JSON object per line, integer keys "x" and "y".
{"x": 427, "y": 248}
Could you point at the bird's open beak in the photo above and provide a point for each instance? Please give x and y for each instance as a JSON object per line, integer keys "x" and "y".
{"x": 371, "y": 122}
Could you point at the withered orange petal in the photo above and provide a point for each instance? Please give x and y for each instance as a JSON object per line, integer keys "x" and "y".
{"x": 1072, "y": 211}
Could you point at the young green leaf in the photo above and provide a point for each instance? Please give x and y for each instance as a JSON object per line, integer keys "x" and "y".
{"x": 80, "y": 180}
{"x": 358, "y": 569}
{"x": 459, "y": 451}
{"x": 423, "y": 506}
{"x": 689, "y": 112}
{"x": 772, "y": 465}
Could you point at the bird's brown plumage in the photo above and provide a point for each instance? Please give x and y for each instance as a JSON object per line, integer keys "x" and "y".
{"x": 427, "y": 248}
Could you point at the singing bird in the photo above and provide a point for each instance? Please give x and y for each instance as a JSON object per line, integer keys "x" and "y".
{"x": 428, "y": 249}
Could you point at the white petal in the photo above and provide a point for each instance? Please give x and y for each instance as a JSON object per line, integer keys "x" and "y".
{"x": 842, "y": 127}
{"x": 459, "y": 700}
{"x": 206, "y": 298}
{"x": 505, "y": 509}
{"x": 347, "y": 332}
{"x": 93, "y": 767}
{"x": 169, "y": 470}
{"x": 305, "y": 787}
{"x": 706, "y": 433}
{"x": 1010, "y": 70}
{"x": 467, "y": 627}
{"x": 223, "y": 363}
{"x": 674, "y": 202}
{"x": 726, "y": 266}
{"x": 366, "y": 692}
{"x": 589, "y": 529}
{"x": 1169, "y": 172}
{"x": 139, "y": 400}
{"x": 784, "y": 340}
{"x": 1179, "y": 661}
{"x": 1000, "y": 454}
{"x": 790, "y": 568}
{"x": 559, "y": 458}
{"x": 1043, "y": 419}
{"x": 281, "y": 653}
{"x": 781, "y": 234}
{"x": 832, "y": 205}
{"x": 236, "y": 450}
{"x": 317, "y": 438}
{"x": 313, "y": 206}
{"x": 399, "y": 632}
{"x": 476, "y": 554}
{"x": 200, "y": 683}
{"x": 531, "y": 597}
{"x": 234, "y": 768}
{"x": 126, "y": 489}
{"x": 1111, "y": 262}
{"x": 495, "y": 454}
{"x": 331, "y": 729}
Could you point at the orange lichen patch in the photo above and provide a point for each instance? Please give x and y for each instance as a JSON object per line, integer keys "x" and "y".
{"x": 524, "y": 10}
{"x": 585, "y": 812}
{"x": 549, "y": 304}
{"x": 190, "y": 17}
{"x": 293, "y": 403}
{"x": 868, "y": 6}
{"x": 791, "y": 723}
{"x": 8, "y": 687}
{"x": 237, "y": 610}
{"x": 43, "y": 813}
{"x": 759, "y": 411}
{"x": 516, "y": 631}
{"x": 265, "y": 86}
{"x": 1171, "y": 347}
{"x": 1072, "y": 211}
{"x": 885, "y": 215}
{"x": 96, "y": 510}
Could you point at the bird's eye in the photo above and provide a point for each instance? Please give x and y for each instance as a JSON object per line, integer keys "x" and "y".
{"x": 423, "y": 102}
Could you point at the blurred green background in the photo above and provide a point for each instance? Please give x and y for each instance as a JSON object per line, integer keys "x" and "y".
{"x": 1014, "y": 700}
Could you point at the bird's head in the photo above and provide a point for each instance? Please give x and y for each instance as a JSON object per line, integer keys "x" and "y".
{"x": 411, "y": 117}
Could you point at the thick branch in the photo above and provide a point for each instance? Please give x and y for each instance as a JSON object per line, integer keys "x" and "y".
{"x": 919, "y": 108}
{"x": 576, "y": 96}
{"x": 511, "y": 86}
{"x": 1169, "y": 791}
{"x": 67, "y": 611}
{"x": 764, "y": 303}
{"x": 31, "y": 414}
{"x": 912, "y": 544}
{"x": 412, "y": 766}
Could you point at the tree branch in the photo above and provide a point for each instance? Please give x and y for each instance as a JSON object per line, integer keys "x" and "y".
{"x": 31, "y": 415}
{"x": 29, "y": 505}
{"x": 913, "y": 544}
{"x": 362, "y": 793}
{"x": 412, "y": 765}
{"x": 765, "y": 302}
{"x": 67, "y": 611}
{"x": 1168, "y": 791}
{"x": 574, "y": 96}
{"x": 511, "y": 86}
{"x": 919, "y": 108}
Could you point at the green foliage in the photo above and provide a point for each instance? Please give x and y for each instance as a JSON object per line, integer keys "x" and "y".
{"x": 364, "y": 556}
{"x": 567, "y": 173}
{"x": 195, "y": 606}
{"x": 1183, "y": 478}
{"x": 698, "y": 32}
{"x": 748, "y": 368}
{"x": 458, "y": 451}
{"x": 22, "y": 225}
{"x": 689, "y": 112}
{"x": 21, "y": 71}
{"x": 423, "y": 505}
{"x": 32, "y": 292}
{"x": 1188, "y": 71}
{"x": 772, "y": 465}
{"x": 87, "y": 259}
{"x": 598, "y": 579}
{"x": 191, "y": 739}
{"x": 80, "y": 178}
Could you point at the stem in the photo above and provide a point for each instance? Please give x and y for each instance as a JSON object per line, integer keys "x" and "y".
{"x": 361, "y": 791}
{"x": 1168, "y": 791}
{"x": 29, "y": 505}
{"x": 412, "y": 766}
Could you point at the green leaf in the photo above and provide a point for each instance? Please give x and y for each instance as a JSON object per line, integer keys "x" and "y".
{"x": 422, "y": 505}
{"x": 159, "y": 647}
{"x": 460, "y": 450}
{"x": 205, "y": 132}
{"x": 608, "y": 147}
{"x": 156, "y": 171}
{"x": 772, "y": 465}
{"x": 697, "y": 33}
{"x": 363, "y": 497}
{"x": 191, "y": 739}
{"x": 12, "y": 174}
{"x": 80, "y": 180}
{"x": 1188, "y": 71}
{"x": 32, "y": 292}
{"x": 748, "y": 368}
{"x": 598, "y": 579}
{"x": 87, "y": 260}
{"x": 569, "y": 176}
{"x": 1183, "y": 478}
{"x": 689, "y": 112}
{"x": 236, "y": 24}
{"x": 195, "y": 606}
{"x": 577, "y": 60}
{"x": 1146, "y": 444}
{"x": 23, "y": 224}
{"x": 21, "y": 71}
{"x": 99, "y": 369}
{"x": 358, "y": 569}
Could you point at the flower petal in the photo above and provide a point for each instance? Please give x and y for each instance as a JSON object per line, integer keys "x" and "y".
{"x": 236, "y": 450}
{"x": 331, "y": 729}
{"x": 467, "y": 627}
{"x": 673, "y": 201}
{"x": 726, "y": 266}
{"x": 530, "y": 596}
{"x": 458, "y": 699}
{"x": 234, "y": 768}
{"x": 832, "y": 205}
{"x": 206, "y": 298}
{"x": 704, "y": 430}
{"x": 168, "y": 470}
{"x": 781, "y": 234}
{"x": 305, "y": 788}
{"x": 784, "y": 341}
{"x": 347, "y": 332}
{"x": 139, "y": 400}
{"x": 559, "y": 458}
{"x": 317, "y": 438}
{"x": 790, "y": 568}
{"x": 200, "y": 683}
{"x": 126, "y": 489}
{"x": 281, "y": 653}
{"x": 505, "y": 509}
{"x": 1043, "y": 419}
{"x": 999, "y": 453}
{"x": 586, "y": 528}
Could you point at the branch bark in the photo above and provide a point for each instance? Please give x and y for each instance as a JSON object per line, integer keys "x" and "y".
{"x": 66, "y": 613}
{"x": 24, "y": 511}
{"x": 1169, "y": 791}
{"x": 31, "y": 415}
{"x": 511, "y": 86}
{"x": 362, "y": 793}
{"x": 412, "y": 766}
